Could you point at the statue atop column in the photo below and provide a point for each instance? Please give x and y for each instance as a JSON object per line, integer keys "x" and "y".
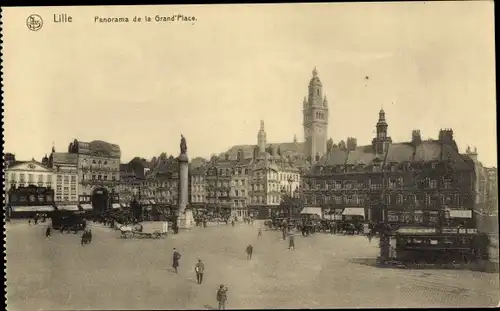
{"x": 183, "y": 145}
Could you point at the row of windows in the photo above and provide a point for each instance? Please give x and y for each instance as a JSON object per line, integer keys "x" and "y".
{"x": 218, "y": 193}
{"x": 219, "y": 201}
{"x": 198, "y": 188}
{"x": 39, "y": 184}
{"x": 377, "y": 185}
{"x": 271, "y": 199}
{"x": 31, "y": 177}
{"x": 103, "y": 177}
{"x": 98, "y": 162}
{"x": 198, "y": 178}
{"x": 239, "y": 193}
{"x": 399, "y": 199}
{"x": 239, "y": 203}
{"x": 198, "y": 198}
{"x": 164, "y": 194}
{"x": 219, "y": 184}
{"x": 61, "y": 198}
{"x": 66, "y": 179}
{"x": 320, "y": 115}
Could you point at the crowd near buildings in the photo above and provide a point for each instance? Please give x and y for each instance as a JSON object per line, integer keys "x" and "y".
{"x": 400, "y": 181}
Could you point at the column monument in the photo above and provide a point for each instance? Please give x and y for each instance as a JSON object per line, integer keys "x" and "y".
{"x": 185, "y": 219}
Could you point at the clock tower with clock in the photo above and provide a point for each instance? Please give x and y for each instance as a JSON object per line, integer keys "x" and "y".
{"x": 315, "y": 122}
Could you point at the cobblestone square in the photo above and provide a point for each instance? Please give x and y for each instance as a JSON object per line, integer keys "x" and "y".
{"x": 324, "y": 271}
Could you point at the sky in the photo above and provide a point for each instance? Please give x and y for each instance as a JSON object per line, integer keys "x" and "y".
{"x": 430, "y": 65}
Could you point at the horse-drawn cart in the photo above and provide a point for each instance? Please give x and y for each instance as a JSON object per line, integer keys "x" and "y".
{"x": 135, "y": 231}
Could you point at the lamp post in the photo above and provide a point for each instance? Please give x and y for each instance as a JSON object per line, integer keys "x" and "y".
{"x": 290, "y": 181}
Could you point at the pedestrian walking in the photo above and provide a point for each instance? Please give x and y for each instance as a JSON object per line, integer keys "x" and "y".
{"x": 29, "y": 221}
{"x": 260, "y": 232}
{"x": 249, "y": 251}
{"x": 199, "y": 268}
{"x": 175, "y": 260}
{"x": 47, "y": 232}
{"x": 232, "y": 222}
{"x": 291, "y": 244}
{"x": 284, "y": 233}
{"x": 222, "y": 297}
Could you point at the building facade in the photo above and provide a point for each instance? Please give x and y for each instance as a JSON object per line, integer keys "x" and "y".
{"x": 98, "y": 165}
{"x": 410, "y": 182}
{"x": 65, "y": 167}
{"x": 492, "y": 191}
{"x": 197, "y": 185}
{"x": 24, "y": 174}
{"x": 161, "y": 183}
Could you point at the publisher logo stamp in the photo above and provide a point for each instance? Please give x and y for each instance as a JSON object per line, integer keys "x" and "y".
{"x": 34, "y": 22}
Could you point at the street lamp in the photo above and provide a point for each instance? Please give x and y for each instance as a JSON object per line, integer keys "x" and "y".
{"x": 290, "y": 181}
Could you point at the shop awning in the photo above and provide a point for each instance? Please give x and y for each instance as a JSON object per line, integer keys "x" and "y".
{"x": 115, "y": 205}
{"x": 354, "y": 211}
{"x": 311, "y": 210}
{"x": 67, "y": 207}
{"x": 152, "y": 202}
{"x": 457, "y": 213}
{"x": 86, "y": 207}
{"x": 43, "y": 208}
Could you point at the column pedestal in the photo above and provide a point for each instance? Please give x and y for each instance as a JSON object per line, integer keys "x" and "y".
{"x": 186, "y": 220}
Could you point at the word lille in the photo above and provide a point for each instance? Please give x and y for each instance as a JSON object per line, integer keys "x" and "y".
{"x": 62, "y": 18}
{"x": 147, "y": 19}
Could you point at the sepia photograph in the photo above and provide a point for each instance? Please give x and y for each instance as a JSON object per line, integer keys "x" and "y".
{"x": 250, "y": 156}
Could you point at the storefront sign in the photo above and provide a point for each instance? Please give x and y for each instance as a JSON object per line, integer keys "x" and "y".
{"x": 416, "y": 230}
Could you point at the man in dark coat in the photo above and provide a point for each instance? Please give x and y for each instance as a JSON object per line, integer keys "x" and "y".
{"x": 222, "y": 297}
{"x": 175, "y": 260}
{"x": 47, "y": 232}
{"x": 199, "y": 268}
{"x": 291, "y": 244}
{"x": 249, "y": 251}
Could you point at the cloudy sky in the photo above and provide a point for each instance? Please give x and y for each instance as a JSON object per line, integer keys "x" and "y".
{"x": 140, "y": 85}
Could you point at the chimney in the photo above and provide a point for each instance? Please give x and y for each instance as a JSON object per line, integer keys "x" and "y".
{"x": 416, "y": 138}
{"x": 446, "y": 136}
{"x": 342, "y": 145}
{"x": 352, "y": 143}
{"x": 472, "y": 154}
{"x": 255, "y": 152}
{"x": 274, "y": 150}
{"x": 239, "y": 157}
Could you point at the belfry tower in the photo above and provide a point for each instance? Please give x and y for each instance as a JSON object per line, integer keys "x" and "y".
{"x": 315, "y": 123}
{"x": 381, "y": 142}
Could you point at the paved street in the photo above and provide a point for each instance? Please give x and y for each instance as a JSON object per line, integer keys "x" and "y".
{"x": 325, "y": 271}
